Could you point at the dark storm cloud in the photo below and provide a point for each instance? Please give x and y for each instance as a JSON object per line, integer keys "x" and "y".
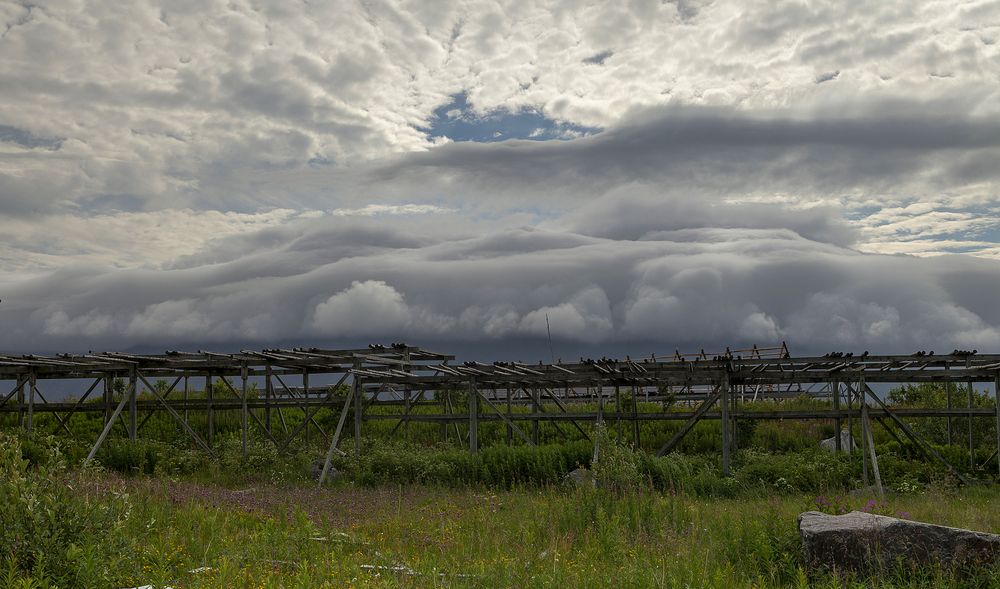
{"x": 721, "y": 151}
{"x": 686, "y": 283}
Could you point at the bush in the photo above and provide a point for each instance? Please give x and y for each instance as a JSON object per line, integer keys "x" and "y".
{"x": 130, "y": 457}
{"x": 503, "y": 467}
{"x": 804, "y": 472}
{"x": 45, "y": 529}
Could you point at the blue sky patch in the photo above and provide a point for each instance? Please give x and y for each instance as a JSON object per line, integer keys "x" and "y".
{"x": 459, "y": 122}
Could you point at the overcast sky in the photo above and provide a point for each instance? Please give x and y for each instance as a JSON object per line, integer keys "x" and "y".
{"x": 646, "y": 174}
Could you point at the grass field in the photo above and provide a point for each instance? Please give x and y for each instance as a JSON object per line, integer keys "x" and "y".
{"x": 96, "y": 528}
{"x": 427, "y": 513}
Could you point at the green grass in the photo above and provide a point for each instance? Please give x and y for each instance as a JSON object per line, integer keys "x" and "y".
{"x": 290, "y": 536}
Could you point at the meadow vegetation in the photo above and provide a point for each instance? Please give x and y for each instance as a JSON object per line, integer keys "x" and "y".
{"x": 420, "y": 510}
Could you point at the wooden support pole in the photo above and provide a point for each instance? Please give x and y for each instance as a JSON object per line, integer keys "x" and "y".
{"x": 406, "y": 394}
{"x": 356, "y": 393}
{"x": 536, "y": 407}
{"x": 862, "y": 399}
{"x": 106, "y": 430}
{"x": 336, "y": 437}
{"x": 187, "y": 391}
{"x": 510, "y": 416}
{"x": 473, "y": 416}
{"x": 20, "y": 400}
{"x": 32, "y": 382}
{"x": 865, "y": 436}
{"x": 996, "y": 401}
{"x": 243, "y": 415}
{"x": 725, "y": 425}
{"x": 305, "y": 408}
{"x": 835, "y": 391}
{"x": 850, "y": 425}
{"x": 618, "y": 409}
{"x": 635, "y": 417}
{"x": 972, "y": 455}
{"x": 210, "y": 412}
{"x": 908, "y": 431}
{"x": 947, "y": 387}
{"x": 268, "y": 391}
{"x": 691, "y": 421}
{"x": 133, "y": 392}
{"x": 871, "y": 449}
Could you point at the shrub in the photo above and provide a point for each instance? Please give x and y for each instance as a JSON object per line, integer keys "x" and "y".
{"x": 48, "y": 531}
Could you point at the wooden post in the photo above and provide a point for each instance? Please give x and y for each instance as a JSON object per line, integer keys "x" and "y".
{"x": 358, "y": 407}
{"x": 186, "y": 395}
{"x": 724, "y": 400}
{"x": 407, "y": 402}
{"x": 268, "y": 390}
{"x": 618, "y": 408}
{"x": 996, "y": 399}
{"x": 243, "y": 422}
{"x": 32, "y": 382}
{"x": 864, "y": 437}
{"x": 305, "y": 410}
{"x": 871, "y": 449}
{"x": 133, "y": 387}
{"x": 972, "y": 456}
{"x": 635, "y": 417}
{"x": 473, "y": 416}
{"x": 510, "y": 417}
{"x": 947, "y": 386}
{"x": 536, "y": 407}
{"x": 20, "y": 400}
{"x": 850, "y": 424}
{"x": 210, "y": 412}
{"x": 835, "y": 391}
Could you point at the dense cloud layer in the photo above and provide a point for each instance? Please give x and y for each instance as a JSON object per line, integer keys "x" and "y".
{"x": 235, "y": 173}
{"x": 336, "y": 279}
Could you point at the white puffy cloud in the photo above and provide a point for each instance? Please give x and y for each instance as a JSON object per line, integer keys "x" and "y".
{"x": 371, "y": 307}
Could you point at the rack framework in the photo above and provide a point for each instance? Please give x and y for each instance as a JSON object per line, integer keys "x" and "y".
{"x": 399, "y": 378}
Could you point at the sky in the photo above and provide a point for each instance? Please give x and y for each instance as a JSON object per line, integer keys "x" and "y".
{"x": 641, "y": 176}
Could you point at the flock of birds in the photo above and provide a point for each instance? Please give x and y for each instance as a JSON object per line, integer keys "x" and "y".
{"x": 612, "y": 363}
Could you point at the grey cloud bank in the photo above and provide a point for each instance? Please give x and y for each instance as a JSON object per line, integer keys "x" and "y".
{"x": 337, "y": 279}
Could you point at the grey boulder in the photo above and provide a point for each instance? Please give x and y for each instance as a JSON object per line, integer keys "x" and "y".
{"x": 859, "y": 541}
{"x": 580, "y": 477}
{"x": 846, "y": 443}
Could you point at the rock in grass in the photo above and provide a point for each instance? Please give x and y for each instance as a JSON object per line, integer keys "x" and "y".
{"x": 316, "y": 470}
{"x": 862, "y": 542}
{"x": 580, "y": 477}
{"x": 846, "y": 442}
